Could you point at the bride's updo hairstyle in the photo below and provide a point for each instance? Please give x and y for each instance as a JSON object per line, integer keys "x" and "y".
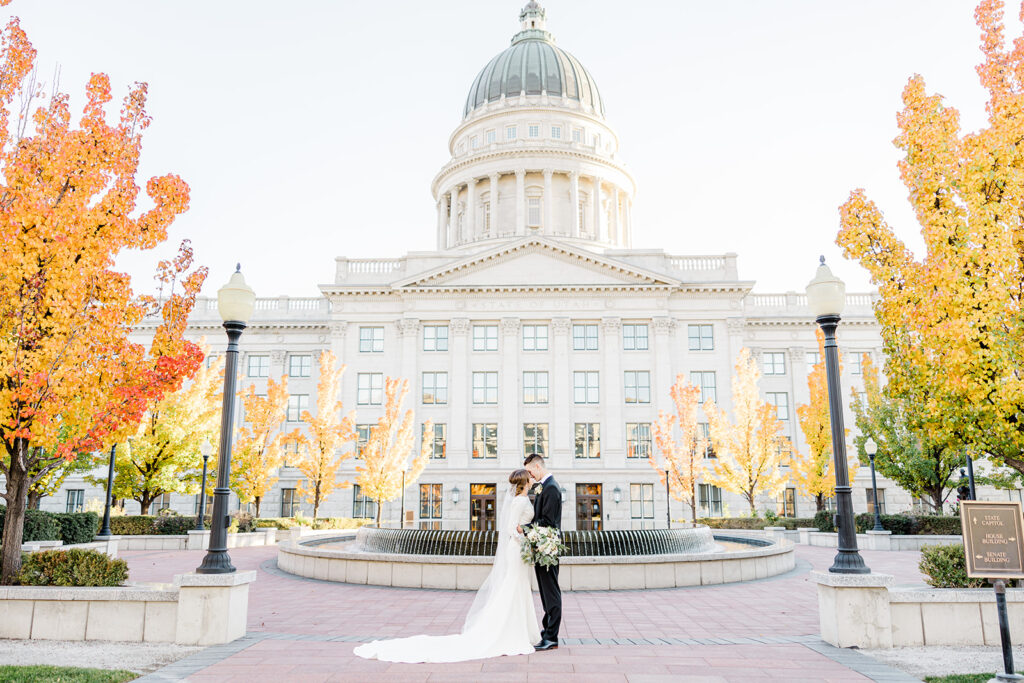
{"x": 520, "y": 479}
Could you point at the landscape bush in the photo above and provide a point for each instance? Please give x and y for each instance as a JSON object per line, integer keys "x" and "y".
{"x": 274, "y": 523}
{"x": 945, "y": 566}
{"x": 75, "y": 567}
{"x": 899, "y": 525}
{"x": 824, "y": 520}
{"x": 755, "y": 523}
{"x": 77, "y": 527}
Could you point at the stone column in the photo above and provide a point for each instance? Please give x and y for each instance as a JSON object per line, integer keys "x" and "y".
{"x": 549, "y": 200}
{"x": 458, "y": 397}
{"x": 574, "y": 204}
{"x": 408, "y": 332}
{"x": 560, "y": 382}
{"x": 662, "y": 377}
{"x": 520, "y": 202}
{"x": 509, "y": 427}
{"x": 471, "y": 209}
{"x": 627, "y": 222}
{"x": 494, "y": 230}
{"x": 442, "y": 225}
{"x": 615, "y": 227}
{"x": 595, "y": 204}
{"x": 277, "y": 360}
{"x": 611, "y": 391}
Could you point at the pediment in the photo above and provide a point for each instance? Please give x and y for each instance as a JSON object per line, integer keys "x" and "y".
{"x": 535, "y": 262}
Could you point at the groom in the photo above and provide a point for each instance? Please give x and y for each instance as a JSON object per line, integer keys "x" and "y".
{"x": 547, "y": 511}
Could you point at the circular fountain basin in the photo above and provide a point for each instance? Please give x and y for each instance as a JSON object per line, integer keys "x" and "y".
{"x": 462, "y": 560}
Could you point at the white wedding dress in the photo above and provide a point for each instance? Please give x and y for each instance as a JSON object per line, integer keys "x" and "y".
{"x": 501, "y": 620}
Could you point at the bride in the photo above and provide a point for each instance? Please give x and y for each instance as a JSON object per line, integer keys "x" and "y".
{"x": 501, "y": 620}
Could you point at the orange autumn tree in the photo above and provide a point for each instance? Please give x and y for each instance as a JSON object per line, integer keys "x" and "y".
{"x": 385, "y": 457}
{"x": 71, "y": 381}
{"x": 258, "y": 451}
{"x": 328, "y": 432}
{"x": 684, "y": 459}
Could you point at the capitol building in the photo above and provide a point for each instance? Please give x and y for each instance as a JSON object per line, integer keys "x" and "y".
{"x": 542, "y": 321}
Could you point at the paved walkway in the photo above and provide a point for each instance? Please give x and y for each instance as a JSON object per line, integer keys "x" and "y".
{"x": 305, "y": 630}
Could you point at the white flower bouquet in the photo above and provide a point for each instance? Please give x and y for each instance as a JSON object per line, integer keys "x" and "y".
{"x": 542, "y": 546}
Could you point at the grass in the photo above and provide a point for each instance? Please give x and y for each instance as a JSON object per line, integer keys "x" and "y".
{"x": 62, "y": 674}
{"x": 960, "y": 678}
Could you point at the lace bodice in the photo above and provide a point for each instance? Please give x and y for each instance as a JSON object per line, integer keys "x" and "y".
{"x": 520, "y": 513}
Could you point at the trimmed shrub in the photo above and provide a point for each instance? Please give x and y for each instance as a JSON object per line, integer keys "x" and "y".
{"x": 942, "y": 525}
{"x": 132, "y": 525}
{"x": 242, "y": 522}
{"x": 77, "y": 527}
{"x": 40, "y": 526}
{"x": 792, "y": 523}
{"x": 73, "y": 567}
{"x": 173, "y": 525}
{"x": 282, "y": 523}
{"x": 824, "y": 520}
{"x": 340, "y": 523}
{"x": 734, "y": 522}
{"x": 900, "y": 525}
{"x": 946, "y": 567}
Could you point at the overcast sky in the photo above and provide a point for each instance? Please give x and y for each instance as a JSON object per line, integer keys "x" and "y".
{"x": 312, "y": 129}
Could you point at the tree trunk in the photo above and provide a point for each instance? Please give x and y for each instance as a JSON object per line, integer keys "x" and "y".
{"x": 34, "y": 499}
{"x": 937, "y": 501}
{"x": 693, "y": 500}
{"x": 144, "y": 504}
{"x": 258, "y": 499}
{"x": 819, "y": 501}
{"x": 379, "y": 506}
{"x": 14, "y": 520}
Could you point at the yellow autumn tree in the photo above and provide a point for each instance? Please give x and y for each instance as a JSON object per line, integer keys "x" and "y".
{"x": 328, "y": 432}
{"x": 385, "y": 457}
{"x": 258, "y": 451}
{"x": 683, "y": 458}
{"x": 750, "y": 447}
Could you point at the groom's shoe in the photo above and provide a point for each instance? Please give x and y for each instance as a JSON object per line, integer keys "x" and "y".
{"x": 546, "y": 645}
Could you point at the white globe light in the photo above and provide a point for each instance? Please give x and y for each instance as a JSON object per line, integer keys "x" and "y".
{"x": 236, "y": 300}
{"x": 826, "y": 294}
{"x": 870, "y": 447}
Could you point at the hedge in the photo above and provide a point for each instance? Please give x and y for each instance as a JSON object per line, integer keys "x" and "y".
{"x": 755, "y": 522}
{"x": 946, "y": 567}
{"x": 75, "y": 567}
{"x": 899, "y": 525}
{"x": 39, "y": 526}
{"x": 77, "y": 527}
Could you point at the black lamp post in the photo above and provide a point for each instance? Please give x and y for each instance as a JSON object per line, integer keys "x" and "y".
{"x": 668, "y": 501}
{"x": 105, "y": 532}
{"x": 235, "y": 302}
{"x": 206, "y": 449}
{"x": 870, "y": 447}
{"x": 826, "y": 295}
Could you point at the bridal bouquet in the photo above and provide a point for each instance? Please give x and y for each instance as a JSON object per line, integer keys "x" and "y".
{"x": 542, "y": 545}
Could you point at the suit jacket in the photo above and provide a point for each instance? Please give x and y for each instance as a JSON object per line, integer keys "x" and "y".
{"x": 547, "y": 505}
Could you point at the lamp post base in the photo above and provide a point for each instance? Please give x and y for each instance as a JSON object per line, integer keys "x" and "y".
{"x": 216, "y": 562}
{"x": 849, "y": 562}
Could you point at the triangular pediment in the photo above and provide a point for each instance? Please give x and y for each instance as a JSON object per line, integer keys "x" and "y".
{"x": 535, "y": 262}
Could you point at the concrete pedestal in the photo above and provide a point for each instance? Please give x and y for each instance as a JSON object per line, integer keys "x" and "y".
{"x": 212, "y": 608}
{"x": 198, "y": 540}
{"x": 879, "y": 540}
{"x": 854, "y": 609}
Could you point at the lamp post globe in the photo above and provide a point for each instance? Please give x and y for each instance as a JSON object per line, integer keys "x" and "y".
{"x": 870, "y": 447}
{"x": 826, "y": 296}
{"x": 235, "y": 303}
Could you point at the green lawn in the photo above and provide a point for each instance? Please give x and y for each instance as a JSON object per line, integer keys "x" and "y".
{"x": 62, "y": 674}
{"x": 960, "y": 678}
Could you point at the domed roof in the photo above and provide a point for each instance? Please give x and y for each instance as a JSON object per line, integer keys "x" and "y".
{"x": 533, "y": 65}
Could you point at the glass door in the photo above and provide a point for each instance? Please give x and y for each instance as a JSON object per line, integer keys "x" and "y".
{"x": 588, "y": 507}
{"x": 483, "y": 499}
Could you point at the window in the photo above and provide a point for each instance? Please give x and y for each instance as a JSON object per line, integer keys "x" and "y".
{"x": 871, "y": 501}
{"x": 535, "y": 337}
{"x": 705, "y": 379}
{"x": 533, "y": 212}
{"x": 702, "y": 337}
{"x": 704, "y": 432}
{"x": 487, "y": 218}
{"x": 297, "y": 404}
{"x": 491, "y": 137}
{"x": 584, "y": 337}
{"x": 362, "y": 437}
{"x": 439, "y": 434}
{"x": 710, "y": 500}
{"x": 535, "y": 438}
{"x": 210, "y": 360}
{"x": 435, "y": 388}
{"x": 774, "y": 363}
{"x": 577, "y": 135}
{"x": 534, "y": 130}
{"x": 535, "y": 387}
{"x": 162, "y": 502}
{"x": 581, "y": 216}
{"x": 300, "y": 366}
{"x": 369, "y": 388}
{"x": 362, "y": 507}
{"x": 289, "y": 503}
{"x": 780, "y": 400}
{"x": 474, "y": 142}
{"x": 634, "y": 337}
{"x": 485, "y": 440}
{"x": 787, "y": 503}
{"x": 485, "y": 387}
{"x": 556, "y": 132}
{"x": 638, "y": 439}
{"x": 75, "y": 500}
{"x": 641, "y": 505}
{"x": 259, "y": 366}
{"x": 510, "y": 133}
{"x": 588, "y": 440}
{"x": 856, "y": 360}
{"x": 371, "y": 339}
{"x": 291, "y": 450}
{"x": 485, "y": 337}
{"x": 584, "y": 387}
{"x": 638, "y": 386}
{"x": 430, "y": 506}
{"x": 435, "y": 337}
{"x": 813, "y": 358}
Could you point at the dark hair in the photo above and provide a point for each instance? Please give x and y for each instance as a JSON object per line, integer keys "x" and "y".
{"x": 533, "y": 457}
{"x": 520, "y": 479}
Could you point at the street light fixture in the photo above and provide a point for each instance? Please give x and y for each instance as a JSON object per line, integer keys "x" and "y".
{"x": 617, "y": 495}
{"x": 105, "y": 531}
{"x": 207, "y": 450}
{"x": 826, "y": 295}
{"x": 455, "y": 495}
{"x": 870, "y": 447}
{"x": 235, "y": 303}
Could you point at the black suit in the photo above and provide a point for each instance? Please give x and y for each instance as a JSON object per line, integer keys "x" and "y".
{"x": 547, "y": 511}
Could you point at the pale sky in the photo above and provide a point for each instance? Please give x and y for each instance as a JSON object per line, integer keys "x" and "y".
{"x": 312, "y": 129}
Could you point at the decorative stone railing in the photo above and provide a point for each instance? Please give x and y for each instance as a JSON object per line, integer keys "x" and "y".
{"x": 266, "y": 307}
{"x": 795, "y": 303}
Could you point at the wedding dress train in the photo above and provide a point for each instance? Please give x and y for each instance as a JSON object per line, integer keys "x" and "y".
{"x": 501, "y": 620}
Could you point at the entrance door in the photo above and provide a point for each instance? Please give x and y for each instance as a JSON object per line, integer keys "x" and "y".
{"x": 588, "y": 507}
{"x": 482, "y": 505}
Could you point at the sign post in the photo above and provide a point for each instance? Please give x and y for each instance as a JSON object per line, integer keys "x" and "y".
{"x": 994, "y": 549}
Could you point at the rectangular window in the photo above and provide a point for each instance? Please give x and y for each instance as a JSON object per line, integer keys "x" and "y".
{"x": 300, "y": 366}
{"x": 370, "y": 388}
{"x": 556, "y": 132}
{"x": 535, "y": 438}
{"x": 435, "y": 388}
{"x": 510, "y": 133}
{"x": 584, "y": 337}
{"x": 584, "y": 387}
{"x": 485, "y": 387}
{"x": 780, "y": 400}
{"x": 787, "y": 503}
{"x": 75, "y": 500}
{"x": 485, "y": 440}
{"x": 704, "y": 432}
{"x": 638, "y": 386}
{"x": 856, "y": 359}
{"x": 297, "y": 404}
{"x": 701, "y": 337}
{"x": 534, "y": 131}
{"x": 289, "y": 503}
{"x": 634, "y": 337}
{"x": 705, "y": 379}
{"x": 362, "y": 437}
{"x": 491, "y": 137}
{"x": 641, "y": 505}
{"x": 533, "y": 212}
{"x": 259, "y": 366}
{"x": 291, "y": 451}
{"x": 439, "y": 435}
{"x": 362, "y": 507}
{"x": 813, "y": 358}
{"x": 474, "y": 142}
{"x": 871, "y": 501}
{"x": 638, "y": 439}
{"x": 588, "y": 440}
{"x": 535, "y": 337}
{"x": 435, "y": 337}
{"x": 577, "y": 135}
{"x": 430, "y": 506}
{"x": 485, "y": 337}
{"x": 371, "y": 339}
{"x": 710, "y": 500}
{"x": 535, "y": 387}
{"x": 774, "y": 363}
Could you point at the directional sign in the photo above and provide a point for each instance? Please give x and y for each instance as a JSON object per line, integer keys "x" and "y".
{"x": 993, "y": 539}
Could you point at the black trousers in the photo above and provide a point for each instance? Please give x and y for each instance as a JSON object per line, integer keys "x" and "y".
{"x": 551, "y": 599}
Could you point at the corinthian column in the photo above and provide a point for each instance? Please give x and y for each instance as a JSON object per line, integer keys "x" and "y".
{"x": 520, "y": 202}
{"x": 595, "y": 200}
{"x": 494, "y": 231}
{"x": 471, "y": 209}
{"x": 549, "y": 200}
{"x": 574, "y": 204}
